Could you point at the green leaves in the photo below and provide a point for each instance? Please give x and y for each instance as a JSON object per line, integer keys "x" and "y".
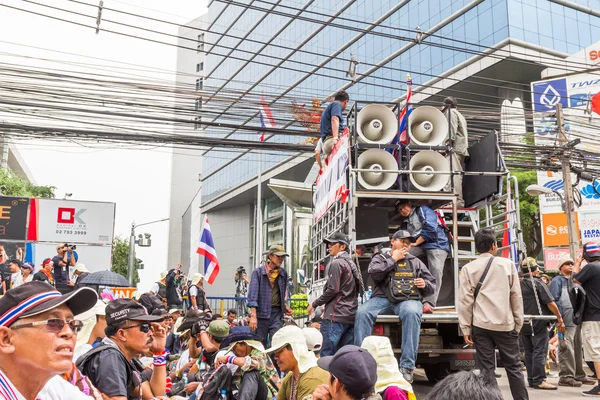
{"x": 121, "y": 256}
{"x": 16, "y": 186}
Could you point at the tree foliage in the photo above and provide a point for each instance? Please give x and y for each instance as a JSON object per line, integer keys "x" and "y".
{"x": 529, "y": 209}
{"x": 120, "y": 259}
{"x": 16, "y": 186}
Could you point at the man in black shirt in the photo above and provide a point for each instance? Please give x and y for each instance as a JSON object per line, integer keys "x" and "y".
{"x": 589, "y": 277}
{"x": 63, "y": 259}
{"x": 535, "y": 336}
{"x": 112, "y": 366}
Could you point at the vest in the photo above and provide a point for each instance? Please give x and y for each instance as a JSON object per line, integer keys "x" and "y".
{"x": 401, "y": 283}
{"x": 201, "y": 302}
{"x": 162, "y": 290}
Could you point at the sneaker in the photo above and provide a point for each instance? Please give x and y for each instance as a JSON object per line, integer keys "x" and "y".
{"x": 427, "y": 309}
{"x": 593, "y": 392}
{"x": 588, "y": 381}
{"x": 407, "y": 374}
{"x": 569, "y": 382}
{"x": 552, "y": 375}
{"x": 545, "y": 386}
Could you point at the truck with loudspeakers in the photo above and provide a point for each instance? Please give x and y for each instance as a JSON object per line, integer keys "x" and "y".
{"x": 369, "y": 169}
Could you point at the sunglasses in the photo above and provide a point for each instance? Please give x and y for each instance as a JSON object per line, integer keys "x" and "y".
{"x": 54, "y": 325}
{"x": 145, "y": 327}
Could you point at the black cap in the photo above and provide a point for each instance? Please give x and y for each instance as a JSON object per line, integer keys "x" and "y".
{"x": 400, "y": 202}
{"x": 337, "y": 237}
{"x": 401, "y": 234}
{"x": 37, "y": 297}
{"x": 120, "y": 310}
{"x": 353, "y": 366}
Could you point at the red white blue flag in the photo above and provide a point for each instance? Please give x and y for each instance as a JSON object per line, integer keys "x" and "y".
{"x": 207, "y": 249}
{"x": 266, "y": 117}
{"x": 403, "y": 120}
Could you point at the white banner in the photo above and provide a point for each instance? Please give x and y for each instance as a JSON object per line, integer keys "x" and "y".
{"x": 95, "y": 258}
{"x": 75, "y": 221}
{"x": 589, "y": 223}
{"x": 331, "y": 184}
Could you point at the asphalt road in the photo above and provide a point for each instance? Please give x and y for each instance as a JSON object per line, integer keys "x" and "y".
{"x": 422, "y": 387}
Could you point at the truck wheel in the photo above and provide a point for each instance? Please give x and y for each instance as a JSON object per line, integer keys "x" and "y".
{"x": 437, "y": 372}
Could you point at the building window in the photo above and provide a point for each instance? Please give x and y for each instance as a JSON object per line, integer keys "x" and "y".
{"x": 199, "y": 103}
{"x": 197, "y": 122}
{"x": 199, "y": 84}
{"x": 201, "y": 42}
{"x": 199, "y": 67}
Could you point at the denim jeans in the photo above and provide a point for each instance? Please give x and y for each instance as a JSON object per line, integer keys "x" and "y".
{"x": 267, "y": 327}
{"x": 335, "y": 336}
{"x": 536, "y": 351}
{"x": 436, "y": 259}
{"x": 409, "y": 311}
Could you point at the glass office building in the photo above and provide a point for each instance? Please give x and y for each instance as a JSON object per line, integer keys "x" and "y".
{"x": 480, "y": 51}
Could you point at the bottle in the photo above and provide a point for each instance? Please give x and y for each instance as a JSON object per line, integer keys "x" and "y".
{"x": 369, "y": 292}
{"x": 561, "y": 335}
{"x": 223, "y": 395}
{"x": 184, "y": 379}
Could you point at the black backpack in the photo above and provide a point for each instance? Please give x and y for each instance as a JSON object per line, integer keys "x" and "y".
{"x": 219, "y": 380}
{"x": 151, "y": 302}
{"x": 578, "y": 298}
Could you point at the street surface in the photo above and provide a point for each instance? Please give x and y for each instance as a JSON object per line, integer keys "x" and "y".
{"x": 422, "y": 387}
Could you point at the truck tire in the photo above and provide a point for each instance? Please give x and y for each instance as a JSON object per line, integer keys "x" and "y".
{"x": 437, "y": 372}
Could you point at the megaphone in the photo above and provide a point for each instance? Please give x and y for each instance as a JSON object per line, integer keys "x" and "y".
{"x": 429, "y": 161}
{"x": 377, "y": 160}
{"x": 427, "y": 126}
{"x": 376, "y": 123}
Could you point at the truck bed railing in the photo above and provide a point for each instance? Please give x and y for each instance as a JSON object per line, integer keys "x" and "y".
{"x": 452, "y": 318}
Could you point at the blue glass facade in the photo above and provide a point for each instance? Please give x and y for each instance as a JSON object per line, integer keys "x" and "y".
{"x": 463, "y": 27}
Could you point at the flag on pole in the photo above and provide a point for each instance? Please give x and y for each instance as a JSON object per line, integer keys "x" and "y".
{"x": 265, "y": 115}
{"x": 403, "y": 118}
{"x": 206, "y": 248}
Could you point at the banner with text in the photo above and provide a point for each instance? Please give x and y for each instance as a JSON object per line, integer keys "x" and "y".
{"x": 331, "y": 184}
{"x": 589, "y": 223}
{"x": 554, "y": 229}
{"x": 13, "y": 218}
{"x": 551, "y": 256}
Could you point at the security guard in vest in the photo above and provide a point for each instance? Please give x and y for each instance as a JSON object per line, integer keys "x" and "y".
{"x": 401, "y": 281}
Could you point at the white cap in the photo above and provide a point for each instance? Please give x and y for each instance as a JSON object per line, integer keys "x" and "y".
{"x": 81, "y": 268}
{"x": 197, "y": 277}
{"x": 136, "y": 295}
{"x": 314, "y": 338}
{"x": 163, "y": 275}
{"x": 293, "y": 336}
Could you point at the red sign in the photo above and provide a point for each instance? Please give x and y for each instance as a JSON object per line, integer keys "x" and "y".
{"x": 551, "y": 256}
{"x": 65, "y": 215}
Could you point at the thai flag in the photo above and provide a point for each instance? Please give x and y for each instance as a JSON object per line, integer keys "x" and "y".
{"x": 207, "y": 249}
{"x": 265, "y": 115}
{"x": 403, "y": 120}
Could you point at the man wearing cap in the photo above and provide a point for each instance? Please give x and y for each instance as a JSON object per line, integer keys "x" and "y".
{"x": 401, "y": 280}
{"x": 293, "y": 357}
{"x": 431, "y": 244}
{"x": 255, "y": 377}
{"x": 589, "y": 278}
{"x": 80, "y": 272}
{"x": 570, "y": 347}
{"x": 352, "y": 375}
{"x": 537, "y": 300}
{"x": 27, "y": 271}
{"x": 268, "y": 294}
{"x": 197, "y": 293}
{"x": 37, "y": 336}
{"x": 112, "y": 367}
{"x": 172, "y": 282}
{"x": 63, "y": 259}
{"x": 159, "y": 288}
{"x": 210, "y": 339}
{"x": 45, "y": 274}
{"x": 459, "y": 140}
{"x": 340, "y": 296}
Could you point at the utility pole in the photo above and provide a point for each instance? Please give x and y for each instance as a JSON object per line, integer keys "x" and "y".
{"x": 566, "y": 171}
{"x": 131, "y": 260}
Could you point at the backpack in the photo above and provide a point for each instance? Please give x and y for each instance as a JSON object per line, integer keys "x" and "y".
{"x": 578, "y": 298}
{"x": 221, "y": 379}
{"x": 151, "y": 302}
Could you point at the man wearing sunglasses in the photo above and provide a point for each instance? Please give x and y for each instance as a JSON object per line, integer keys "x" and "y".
{"x": 37, "y": 336}
{"x": 268, "y": 294}
{"x": 113, "y": 367}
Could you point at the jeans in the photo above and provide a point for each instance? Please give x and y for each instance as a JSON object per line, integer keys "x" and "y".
{"x": 570, "y": 355}
{"x": 409, "y": 311}
{"x": 268, "y": 326}
{"x": 536, "y": 350}
{"x": 253, "y": 387}
{"x": 508, "y": 346}
{"x": 335, "y": 336}
{"x": 436, "y": 258}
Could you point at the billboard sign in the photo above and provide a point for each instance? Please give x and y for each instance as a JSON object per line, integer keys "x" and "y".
{"x": 554, "y": 229}
{"x": 95, "y": 258}
{"x": 123, "y": 292}
{"x": 547, "y": 94}
{"x": 13, "y": 218}
{"x": 589, "y": 223}
{"x": 72, "y": 221}
{"x": 553, "y": 254}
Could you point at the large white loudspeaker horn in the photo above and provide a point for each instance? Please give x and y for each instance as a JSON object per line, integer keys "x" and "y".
{"x": 377, "y": 160}
{"x": 376, "y": 124}
{"x": 429, "y": 161}
{"x": 428, "y": 126}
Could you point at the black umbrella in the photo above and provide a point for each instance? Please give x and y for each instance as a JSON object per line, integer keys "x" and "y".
{"x": 106, "y": 278}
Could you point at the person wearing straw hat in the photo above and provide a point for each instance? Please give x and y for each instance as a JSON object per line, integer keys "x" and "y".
{"x": 294, "y": 358}
{"x": 256, "y": 376}
{"x": 38, "y": 331}
{"x": 197, "y": 293}
{"x": 80, "y": 272}
{"x": 390, "y": 381}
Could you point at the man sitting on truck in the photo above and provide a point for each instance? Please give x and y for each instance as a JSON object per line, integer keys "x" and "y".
{"x": 431, "y": 242}
{"x": 401, "y": 280}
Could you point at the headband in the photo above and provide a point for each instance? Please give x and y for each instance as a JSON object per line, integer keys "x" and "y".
{"x": 14, "y": 313}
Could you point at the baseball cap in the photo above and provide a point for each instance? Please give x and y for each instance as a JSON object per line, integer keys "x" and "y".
{"x": 401, "y": 202}
{"x": 27, "y": 266}
{"x": 219, "y": 329}
{"x": 197, "y": 277}
{"x": 120, "y": 310}
{"x": 46, "y": 261}
{"x": 353, "y": 366}
{"x": 402, "y": 234}
{"x": 528, "y": 263}
{"x": 38, "y": 297}
{"x": 591, "y": 251}
{"x": 60, "y": 246}
{"x": 278, "y": 250}
{"x": 337, "y": 237}
{"x": 81, "y": 268}
{"x": 314, "y": 338}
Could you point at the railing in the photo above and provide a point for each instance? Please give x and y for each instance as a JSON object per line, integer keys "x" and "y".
{"x": 221, "y": 305}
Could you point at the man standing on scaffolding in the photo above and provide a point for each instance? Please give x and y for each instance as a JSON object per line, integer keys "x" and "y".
{"x": 459, "y": 139}
{"x": 332, "y": 121}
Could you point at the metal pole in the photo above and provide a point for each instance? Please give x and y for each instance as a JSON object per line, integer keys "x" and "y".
{"x": 258, "y": 224}
{"x": 5, "y": 152}
{"x": 131, "y": 261}
{"x": 569, "y": 202}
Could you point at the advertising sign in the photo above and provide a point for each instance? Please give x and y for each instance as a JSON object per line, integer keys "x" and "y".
{"x": 95, "y": 258}
{"x": 123, "y": 292}
{"x": 589, "y": 223}
{"x": 547, "y": 94}
{"x": 331, "y": 184}
{"x": 554, "y": 229}
{"x": 13, "y": 218}
{"x": 552, "y": 255}
{"x": 71, "y": 221}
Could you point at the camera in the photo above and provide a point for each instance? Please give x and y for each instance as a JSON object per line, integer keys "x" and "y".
{"x": 71, "y": 246}
{"x": 204, "y": 319}
{"x": 241, "y": 270}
